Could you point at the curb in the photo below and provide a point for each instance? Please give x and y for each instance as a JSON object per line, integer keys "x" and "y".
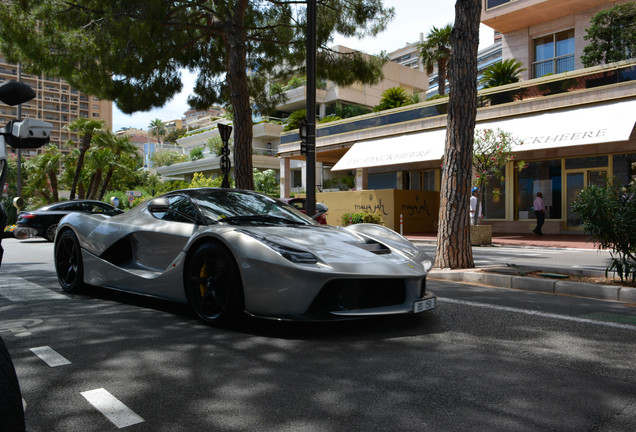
{"x": 559, "y": 287}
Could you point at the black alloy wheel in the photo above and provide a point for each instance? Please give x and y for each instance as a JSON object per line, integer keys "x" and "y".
{"x": 49, "y": 232}
{"x": 68, "y": 262}
{"x": 213, "y": 284}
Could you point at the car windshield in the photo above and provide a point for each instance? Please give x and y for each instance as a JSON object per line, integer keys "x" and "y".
{"x": 245, "y": 208}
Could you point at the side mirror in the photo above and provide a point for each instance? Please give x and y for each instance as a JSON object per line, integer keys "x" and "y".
{"x": 158, "y": 205}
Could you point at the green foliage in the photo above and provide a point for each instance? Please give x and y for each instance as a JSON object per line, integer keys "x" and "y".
{"x": 173, "y": 135}
{"x": 215, "y": 145}
{"x": 329, "y": 118}
{"x": 294, "y": 119}
{"x": 392, "y": 98}
{"x": 199, "y": 181}
{"x": 340, "y": 183}
{"x": 196, "y": 153}
{"x": 362, "y": 217}
{"x": 502, "y": 73}
{"x": 436, "y": 51}
{"x": 133, "y": 52}
{"x": 167, "y": 158}
{"x": 612, "y": 36}
{"x": 608, "y": 214}
{"x": 265, "y": 182}
{"x": 348, "y": 111}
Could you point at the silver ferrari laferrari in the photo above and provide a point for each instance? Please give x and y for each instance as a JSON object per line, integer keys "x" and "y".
{"x": 228, "y": 252}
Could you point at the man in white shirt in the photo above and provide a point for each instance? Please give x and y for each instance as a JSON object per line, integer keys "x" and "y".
{"x": 474, "y": 205}
{"x": 539, "y": 212}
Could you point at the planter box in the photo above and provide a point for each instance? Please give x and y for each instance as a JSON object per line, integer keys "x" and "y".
{"x": 480, "y": 235}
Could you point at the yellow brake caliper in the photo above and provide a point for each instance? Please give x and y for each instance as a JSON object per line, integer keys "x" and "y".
{"x": 203, "y": 275}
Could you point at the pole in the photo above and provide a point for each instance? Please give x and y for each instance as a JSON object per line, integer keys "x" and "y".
{"x": 310, "y": 205}
{"x": 19, "y": 170}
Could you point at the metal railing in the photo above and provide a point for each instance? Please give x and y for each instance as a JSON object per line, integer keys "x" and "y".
{"x": 553, "y": 66}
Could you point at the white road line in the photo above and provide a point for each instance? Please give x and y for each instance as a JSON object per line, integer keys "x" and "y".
{"x": 19, "y": 289}
{"x": 537, "y": 313}
{"x": 50, "y": 356}
{"x": 115, "y": 411}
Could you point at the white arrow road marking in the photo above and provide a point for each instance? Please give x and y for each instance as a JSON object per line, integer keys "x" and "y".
{"x": 115, "y": 411}
{"x": 50, "y": 356}
{"x": 19, "y": 289}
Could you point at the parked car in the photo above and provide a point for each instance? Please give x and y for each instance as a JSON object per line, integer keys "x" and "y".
{"x": 226, "y": 252}
{"x": 43, "y": 221}
{"x": 299, "y": 203}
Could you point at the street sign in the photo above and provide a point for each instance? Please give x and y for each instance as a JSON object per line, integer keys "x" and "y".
{"x": 133, "y": 194}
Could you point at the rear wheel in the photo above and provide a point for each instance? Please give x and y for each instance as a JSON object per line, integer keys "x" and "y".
{"x": 49, "y": 232}
{"x": 213, "y": 284}
{"x": 68, "y": 262}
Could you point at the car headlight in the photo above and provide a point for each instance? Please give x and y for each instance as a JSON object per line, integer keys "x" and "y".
{"x": 296, "y": 256}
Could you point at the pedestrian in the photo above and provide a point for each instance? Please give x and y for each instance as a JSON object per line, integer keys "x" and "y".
{"x": 539, "y": 212}
{"x": 475, "y": 206}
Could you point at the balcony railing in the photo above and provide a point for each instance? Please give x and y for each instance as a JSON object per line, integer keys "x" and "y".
{"x": 553, "y": 66}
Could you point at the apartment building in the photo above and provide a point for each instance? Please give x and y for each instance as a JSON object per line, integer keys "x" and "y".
{"x": 574, "y": 126}
{"x": 55, "y": 102}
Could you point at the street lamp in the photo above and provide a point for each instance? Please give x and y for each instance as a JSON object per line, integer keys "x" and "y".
{"x": 225, "y": 131}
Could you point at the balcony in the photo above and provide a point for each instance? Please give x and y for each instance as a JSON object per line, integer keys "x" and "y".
{"x": 553, "y": 66}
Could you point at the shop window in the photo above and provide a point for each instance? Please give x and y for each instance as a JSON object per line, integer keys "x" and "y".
{"x": 544, "y": 177}
{"x": 553, "y": 54}
{"x": 383, "y": 181}
{"x": 586, "y": 162}
{"x": 624, "y": 170}
{"x": 297, "y": 178}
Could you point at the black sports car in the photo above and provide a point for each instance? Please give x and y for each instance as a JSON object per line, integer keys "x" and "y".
{"x": 43, "y": 221}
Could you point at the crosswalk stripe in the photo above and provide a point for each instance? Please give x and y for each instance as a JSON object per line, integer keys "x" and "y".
{"x": 49, "y": 356}
{"x": 115, "y": 411}
{"x": 18, "y": 289}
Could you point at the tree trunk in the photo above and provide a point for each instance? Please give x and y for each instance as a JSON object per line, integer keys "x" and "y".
{"x": 453, "y": 236}
{"x": 54, "y": 186}
{"x": 238, "y": 83}
{"x": 85, "y": 144}
{"x": 102, "y": 192}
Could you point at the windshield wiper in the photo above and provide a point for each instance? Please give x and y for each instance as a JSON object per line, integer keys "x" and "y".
{"x": 260, "y": 218}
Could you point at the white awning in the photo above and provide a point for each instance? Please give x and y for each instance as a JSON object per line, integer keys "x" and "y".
{"x": 580, "y": 126}
{"x": 416, "y": 147}
{"x": 588, "y": 125}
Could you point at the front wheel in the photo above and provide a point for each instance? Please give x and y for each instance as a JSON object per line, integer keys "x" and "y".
{"x": 68, "y": 262}
{"x": 213, "y": 284}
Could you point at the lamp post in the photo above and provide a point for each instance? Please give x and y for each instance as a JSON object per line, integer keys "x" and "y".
{"x": 310, "y": 202}
{"x": 225, "y": 131}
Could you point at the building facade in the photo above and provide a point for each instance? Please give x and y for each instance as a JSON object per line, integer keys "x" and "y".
{"x": 55, "y": 102}
{"x": 574, "y": 128}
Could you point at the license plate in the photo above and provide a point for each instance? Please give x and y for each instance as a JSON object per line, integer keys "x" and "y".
{"x": 423, "y": 305}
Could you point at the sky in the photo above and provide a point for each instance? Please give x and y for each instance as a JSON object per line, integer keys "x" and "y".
{"x": 411, "y": 19}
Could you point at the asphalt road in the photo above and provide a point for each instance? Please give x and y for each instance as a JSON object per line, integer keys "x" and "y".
{"x": 486, "y": 359}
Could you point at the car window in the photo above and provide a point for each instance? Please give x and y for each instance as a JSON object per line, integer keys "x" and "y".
{"x": 97, "y": 208}
{"x": 180, "y": 209}
{"x": 298, "y": 203}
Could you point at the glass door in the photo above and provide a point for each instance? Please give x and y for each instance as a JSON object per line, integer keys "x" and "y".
{"x": 575, "y": 182}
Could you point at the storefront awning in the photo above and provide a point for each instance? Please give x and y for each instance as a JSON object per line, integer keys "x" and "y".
{"x": 416, "y": 147}
{"x": 589, "y": 125}
{"x": 564, "y": 128}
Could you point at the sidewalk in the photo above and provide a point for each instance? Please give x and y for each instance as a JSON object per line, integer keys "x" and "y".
{"x": 515, "y": 278}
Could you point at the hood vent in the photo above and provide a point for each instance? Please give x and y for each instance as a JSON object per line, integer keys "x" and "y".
{"x": 373, "y": 247}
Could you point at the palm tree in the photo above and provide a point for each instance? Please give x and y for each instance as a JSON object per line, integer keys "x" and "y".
{"x": 119, "y": 146}
{"x": 436, "y": 50}
{"x": 86, "y": 129}
{"x": 157, "y": 129}
{"x": 505, "y": 72}
{"x": 392, "y": 98}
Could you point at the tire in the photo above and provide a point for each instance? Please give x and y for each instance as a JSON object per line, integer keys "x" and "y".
{"x": 11, "y": 410}
{"x": 213, "y": 285}
{"x": 49, "y": 232}
{"x": 68, "y": 262}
